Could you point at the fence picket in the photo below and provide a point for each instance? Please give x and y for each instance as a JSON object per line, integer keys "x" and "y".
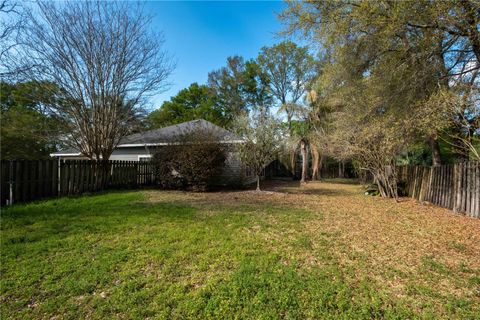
{"x": 450, "y": 187}
{"x": 464, "y": 188}
{"x": 444, "y": 182}
{"x": 477, "y": 190}
{"x": 37, "y": 179}
{"x": 470, "y": 188}
{"x": 456, "y": 186}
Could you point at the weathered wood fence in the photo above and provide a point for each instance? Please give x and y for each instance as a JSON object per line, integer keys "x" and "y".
{"x": 28, "y": 180}
{"x": 454, "y": 186}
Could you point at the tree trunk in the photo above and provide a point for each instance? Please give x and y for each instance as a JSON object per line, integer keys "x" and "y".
{"x": 303, "y": 150}
{"x": 315, "y": 162}
{"x": 258, "y": 183}
{"x": 341, "y": 169}
{"x": 102, "y": 166}
{"x": 433, "y": 142}
{"x": 293, "y": 163}
{"x": 320, "y": 166}
{"x": 471, "y": 15}
{"x": 385, "y": 178}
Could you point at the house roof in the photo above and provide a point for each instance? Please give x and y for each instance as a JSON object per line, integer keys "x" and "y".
{"x": 166, "y": 135}
{"x": 172, "y": 133}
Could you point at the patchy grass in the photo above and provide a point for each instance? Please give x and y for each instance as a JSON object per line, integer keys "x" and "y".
{"x": 317, "y": 251}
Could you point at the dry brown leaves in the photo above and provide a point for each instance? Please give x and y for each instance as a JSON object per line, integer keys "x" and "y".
{"x": 392, "y": 243}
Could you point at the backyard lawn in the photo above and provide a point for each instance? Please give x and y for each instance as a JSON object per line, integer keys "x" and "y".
{"x": 323, "y": 251}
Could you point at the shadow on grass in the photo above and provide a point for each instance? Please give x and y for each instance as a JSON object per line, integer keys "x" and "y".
{"x": 322, "y": 192}
{"x": 319, "y": 188}
{"x": 341, "y": 181}
{"x": 94, "y": 198}
{"x": 95, "y": 213}
{"x": 271, "y": 183}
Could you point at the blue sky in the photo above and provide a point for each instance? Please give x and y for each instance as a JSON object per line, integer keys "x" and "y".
{"x": 201, "y": 35}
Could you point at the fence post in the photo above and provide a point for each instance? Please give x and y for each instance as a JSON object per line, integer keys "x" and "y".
{"x": 59, "y": 175}
{"x": 455, "y": 187}
{"x": 467, "y": 189}
{"x": 477, "y": 190}
{"x": 10, "y": 183}
{"x": 423, "y": 186}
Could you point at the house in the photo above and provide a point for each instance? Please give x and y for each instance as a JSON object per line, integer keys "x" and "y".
{"x": 141, "y": 147}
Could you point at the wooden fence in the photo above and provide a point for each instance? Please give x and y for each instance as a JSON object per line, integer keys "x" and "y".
{"x": 455, "y": 186}
{"x": 28, "y": 180}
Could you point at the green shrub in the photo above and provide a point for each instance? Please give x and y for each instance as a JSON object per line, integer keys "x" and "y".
{"x": 191, "y": 163}
{"x": 372, "y": 190}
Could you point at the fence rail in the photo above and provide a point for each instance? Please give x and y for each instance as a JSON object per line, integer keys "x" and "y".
{"x": 28, "y": 180}
{"x": 454, "y": 186}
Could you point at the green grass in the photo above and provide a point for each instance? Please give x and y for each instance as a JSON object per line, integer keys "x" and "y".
{"x": 116, "y": 255}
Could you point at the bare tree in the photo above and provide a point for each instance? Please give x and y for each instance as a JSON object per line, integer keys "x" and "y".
{"x": 260, "y": 132}
{"x": 12, "y": 19}
{"x": 106, "y": 61}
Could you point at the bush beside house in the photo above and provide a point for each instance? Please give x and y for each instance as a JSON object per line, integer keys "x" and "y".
{"x": 193, "y": 163}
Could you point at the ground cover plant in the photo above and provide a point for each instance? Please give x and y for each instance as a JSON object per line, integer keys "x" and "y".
{"x": 323, "y": 250}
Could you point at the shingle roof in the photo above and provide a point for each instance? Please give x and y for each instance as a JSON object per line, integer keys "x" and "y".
{"x": 171, "y": 133}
